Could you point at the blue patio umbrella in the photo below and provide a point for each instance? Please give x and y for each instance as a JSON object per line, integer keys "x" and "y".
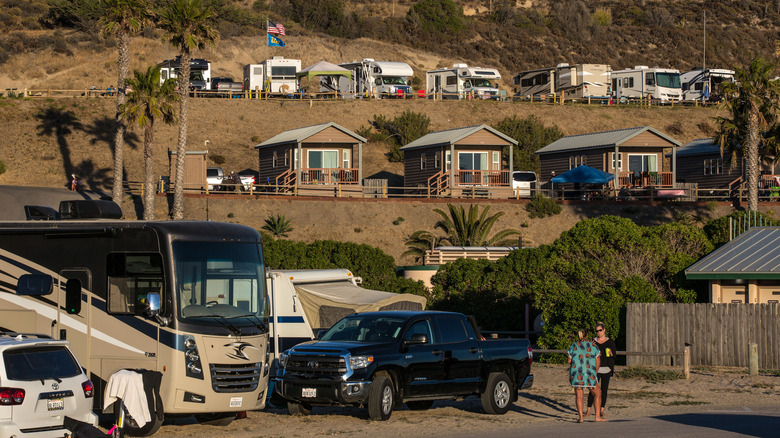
{"x": 585, "y": 175}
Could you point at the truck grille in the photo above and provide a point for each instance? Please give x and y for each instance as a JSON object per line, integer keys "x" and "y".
{"x": 235, "y": 378}
{"x": 316, "y": 366}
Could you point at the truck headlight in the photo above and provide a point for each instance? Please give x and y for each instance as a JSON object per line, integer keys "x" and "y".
{"x": 356, "y": 362}
{"x": 283, "y": 359}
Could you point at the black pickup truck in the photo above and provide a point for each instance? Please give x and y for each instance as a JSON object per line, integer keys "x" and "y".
{"x": 381, "y": 360}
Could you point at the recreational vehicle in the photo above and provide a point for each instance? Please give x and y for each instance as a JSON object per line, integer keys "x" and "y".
{"x": 643, "y": 82}
{"x": 371, "y": 79}
{"x": 705, "y": 84}
{"x": 187, "y": 299}
{"x": 200, "y": 72}
{"x": 574, "y": 81}
{"x": 272, "y": 76}
{"x": 462, "y": 82}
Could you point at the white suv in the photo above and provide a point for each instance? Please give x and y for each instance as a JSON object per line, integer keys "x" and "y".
{"x": 40, "y": 384}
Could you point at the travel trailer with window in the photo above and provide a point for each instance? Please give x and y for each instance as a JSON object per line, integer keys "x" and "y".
{"x": 574, "y": 81}
{"x": 371, "y": 79}
{"x": 705, "y": 84}
{"x": 461, "y": 82}
{"x": 185, "y": 298}
{"x": 272, "y": 76}
{"x": 643, "y": 82}
{"x": 200, "y": 72}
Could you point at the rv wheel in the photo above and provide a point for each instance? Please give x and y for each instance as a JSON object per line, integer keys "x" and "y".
{"x": 216, "y": 419}
{"x": 131, "y": 427}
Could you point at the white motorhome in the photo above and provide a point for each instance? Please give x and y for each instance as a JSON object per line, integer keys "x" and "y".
{"x": 642, "y": 82}
{"x": 574, "y": 81}
{"x": 272, "y": 76}
{"x": 704, "y": 84}
{"x": 461, "y": 82}
{"x": 371, "y": 79}
{"x": 200, "y": 72}
{"x": 185, "y": 298}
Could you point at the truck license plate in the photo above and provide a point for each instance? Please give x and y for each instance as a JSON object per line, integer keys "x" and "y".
{"x": 309, "y": 392}
{"x": 235, "y": 402}
{"x": 55, "y": 404}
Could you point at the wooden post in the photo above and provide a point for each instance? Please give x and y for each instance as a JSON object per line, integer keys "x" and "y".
{"x": 687, "y": 362}
{"x": 753, "y": 359}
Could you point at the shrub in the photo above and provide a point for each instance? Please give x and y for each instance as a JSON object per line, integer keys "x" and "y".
{"x": 717, "y": 230}
{"x": 439, "y": 16}
{"x": 542, "y": 206}
{"x": 602, "y": 17}
{"x": 531, "y": 135}
{"x": 2, "y": 167}
{"x": 217, "y": 159}
{"x": 403, "y": 129}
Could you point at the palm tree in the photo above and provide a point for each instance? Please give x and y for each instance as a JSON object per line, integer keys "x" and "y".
{"x": 470, "y": 230}
{"x": 148, "y": 101}
{"x": 122, "y": 18}
{"x": 419, "y": 242}
{"x": 279, "y": 226}
{"x": 187, "y": 25}
{"x": 753, "y": 101}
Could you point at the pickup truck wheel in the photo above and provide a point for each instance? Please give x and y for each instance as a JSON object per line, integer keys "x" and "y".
{"x": 419, "y": 405}
{"x": 298, "y": 408}
{"x": 380, "y": 398}
{"x": 498, "y": 394}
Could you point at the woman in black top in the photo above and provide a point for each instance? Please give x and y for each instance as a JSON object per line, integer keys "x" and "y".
{"x": 607, "y": 367}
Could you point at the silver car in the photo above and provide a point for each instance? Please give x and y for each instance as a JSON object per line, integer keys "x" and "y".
{"x": 40, "y": 384}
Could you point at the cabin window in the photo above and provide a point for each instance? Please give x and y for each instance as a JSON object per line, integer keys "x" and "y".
{"x": 447, "y": 161}
{"x": 437, "y": 160}
{"x": 496, "y": 160}
{"x": 295, "y": 162}
{"x": 642, "y": 163}
{"x": 274, "y": 160}
{"x": 472, "y": 161}
{"x": 422, "y": 161}
{"x": 345, "y": 159}
{"x": 620, "y": 161}
{"x": 713, "y": 166}
{"x": 287, "y": 159}
{"x": 577, "y": 160}
{"x": 130, "y": 277}
{"x": 650, "y": 79}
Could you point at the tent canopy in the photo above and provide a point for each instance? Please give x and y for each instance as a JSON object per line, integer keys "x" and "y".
{"x": 326, "y": 303}
{"x": 323, "y": 68}
{"x": 584, "y": 174}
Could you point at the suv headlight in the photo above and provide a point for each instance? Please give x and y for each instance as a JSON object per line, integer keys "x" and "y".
{"x": 357, "y": 362}
{"x": 283, "y": 359}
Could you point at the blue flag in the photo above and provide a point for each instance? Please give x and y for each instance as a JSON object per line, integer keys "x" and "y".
{"x": 274, "y": 41}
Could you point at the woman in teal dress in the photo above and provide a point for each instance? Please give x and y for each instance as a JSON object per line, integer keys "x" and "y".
{"x": 585, "y": 359}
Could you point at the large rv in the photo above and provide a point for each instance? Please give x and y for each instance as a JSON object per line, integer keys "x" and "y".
{"x": 187, "y": 299}
{"x": 272, "y": 76}
{"x": 200, "y": 72}
{"x": 642, "y": 82}
{"x": 705, "y": 84}
{"x": 462, "y": 82}
{"x": 371, "y": 79}
{"x": 574, "y": 81}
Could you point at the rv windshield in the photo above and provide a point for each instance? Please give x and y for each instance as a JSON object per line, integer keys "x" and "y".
{"x": 482, "y": 83}
{"x": 218, "y": 281}
{"x": 668, "y": 80}
{"x": 393, "y": 80}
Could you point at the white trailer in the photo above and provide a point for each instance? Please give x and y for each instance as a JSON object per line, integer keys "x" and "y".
{"x": 642, "y": 82}
{"x": 574, "y": 81}
{"x": 461, "y": 82}
{"x": 704, "y": 84}
{"x": 200, "y": 72}
{"x": 272, "y": 76}
{"x": 371, "y": 79}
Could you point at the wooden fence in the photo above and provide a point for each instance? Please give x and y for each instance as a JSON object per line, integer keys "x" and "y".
{"x": 718, "y": 334}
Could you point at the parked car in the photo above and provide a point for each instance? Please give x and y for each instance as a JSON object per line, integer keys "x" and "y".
{"x": 40, "y": 384}
{"x": 523, "y": 183}
{"x": 217, "y": 180}
{"x": 382, "y": 360}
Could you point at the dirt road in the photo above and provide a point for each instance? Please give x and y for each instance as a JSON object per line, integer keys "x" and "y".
{"x": 550, "y": 400}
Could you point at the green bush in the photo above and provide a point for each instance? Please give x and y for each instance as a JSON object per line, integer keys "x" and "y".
{"x": 217, "y": 159}
{"x": 439, "y": 16}
{"x": 602, "y": 17}
{"x": 531, "y": 135}
{"x": 403, "y": 129}
{"x": 717, "y": 230}
{"x": 2, "y": 167}
{"x": 542, "y": 206}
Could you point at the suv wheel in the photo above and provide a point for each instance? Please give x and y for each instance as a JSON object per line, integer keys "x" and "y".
{"x": 498, "y": 394}
{"x": 380, "y": 398}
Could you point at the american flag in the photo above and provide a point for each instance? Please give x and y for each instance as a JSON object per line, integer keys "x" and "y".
{"x": 276, "y": 29}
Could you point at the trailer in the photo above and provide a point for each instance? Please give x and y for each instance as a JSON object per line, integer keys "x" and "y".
{"x": 644, "y": 82}
{"x": 275, "y": 76}
{"x": 462, "y": 82}
{"x": 378, "y": 79}
{"x": 569, "y": 81}
{"x": 185, "y": 298}
{"x": 704, "y": 84}
{"x": 200, "y": 72}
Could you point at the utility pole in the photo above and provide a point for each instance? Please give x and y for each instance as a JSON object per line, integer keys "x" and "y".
{"x": 704, "y": 56}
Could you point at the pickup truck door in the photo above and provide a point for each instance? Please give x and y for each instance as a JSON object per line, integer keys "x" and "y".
{"x": 425, "y": 369}
{"x": 460, "y": 354}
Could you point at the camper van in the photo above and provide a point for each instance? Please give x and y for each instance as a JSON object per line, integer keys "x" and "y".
{"x": 371, "y": 78}
{"x": 643, "y": 82}
{"x": 200, "y": 72}
{"x": 187, "y": 299}
{"x": 462, "y": 82}
{"x": 272, "y": 76}
{"x": 705, "y": 84}
{"x": 574, "y": 81}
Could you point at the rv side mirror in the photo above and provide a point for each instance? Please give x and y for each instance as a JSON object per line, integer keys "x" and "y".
{"x": 321, "y": 333}
{"x": 34, "y": 284}
{"x": 152, "y": 303}
{"x": 416, "y": 339}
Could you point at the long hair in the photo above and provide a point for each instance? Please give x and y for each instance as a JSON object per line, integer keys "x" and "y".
{"x": 582, "y": 334}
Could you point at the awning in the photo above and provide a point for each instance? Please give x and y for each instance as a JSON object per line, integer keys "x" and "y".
{"x": 323, "y": 68}
{"x": 585, "y": 175}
